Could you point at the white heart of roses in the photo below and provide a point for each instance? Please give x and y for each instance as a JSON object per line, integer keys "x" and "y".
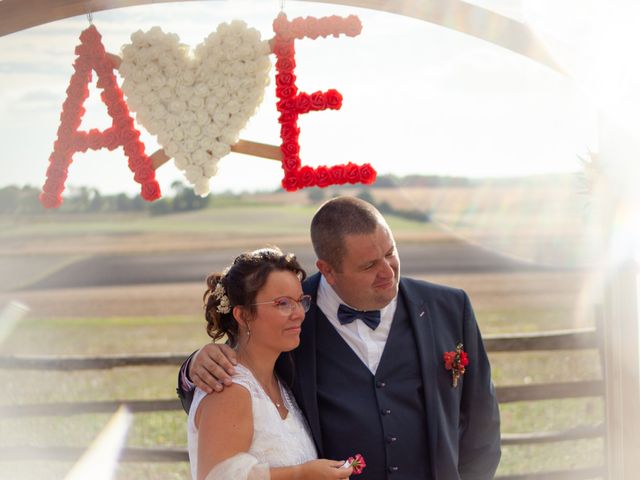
{"x": 196, "y": 102}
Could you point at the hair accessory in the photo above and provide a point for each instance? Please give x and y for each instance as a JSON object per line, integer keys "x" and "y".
{"x": 223, "y": 301}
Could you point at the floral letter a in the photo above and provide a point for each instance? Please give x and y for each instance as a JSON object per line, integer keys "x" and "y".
{"x": 92, "y": 56}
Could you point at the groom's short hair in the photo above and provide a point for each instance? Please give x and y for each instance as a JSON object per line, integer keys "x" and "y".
{"x": 337, "y": 218}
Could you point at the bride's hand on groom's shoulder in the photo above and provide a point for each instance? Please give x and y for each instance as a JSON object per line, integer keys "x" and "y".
{"x": 324, "y": 469}
{"x": 211, "y": 368}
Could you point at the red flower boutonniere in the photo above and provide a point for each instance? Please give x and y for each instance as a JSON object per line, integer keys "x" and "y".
{"x": 357, "y": 462}
{"x": 456, "y": 362}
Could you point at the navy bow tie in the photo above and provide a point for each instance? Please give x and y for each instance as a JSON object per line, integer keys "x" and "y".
{"x": 347, "y": 315}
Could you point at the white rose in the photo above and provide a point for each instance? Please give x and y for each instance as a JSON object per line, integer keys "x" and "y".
{"x": 201, "y": 89}
{"x": 232, "y": 106}
{"x": 155, "y": 51}
{"x": 210, "y": 169}
{"x": 164, "y": 136}
{"x": 171, "y": 69}
{"x": 171, "y": 122}
{"x": 165, "y": 93}
{"x": 229, "y": 136}
{"x": 180, "y": 161}
{"x": 212, "y": 104}
{"x": 193, "y": 131}
{"x": 196, "y": 102}
{"x": 156, "y": 82}
{"x": 188, "y": 77}
{"x": 201, "y": 187}
{"x": 190, "y": 144}
{"x": 199, "y": 157}
{"x": 151, "y": 70}
{"x": 202, "y": 118}
{"x": 219, "y": 150}
{"x": 155, "y": 34}
{"x": 263, "y": 64}
{"x": 221, "y": 93}
{"x": 178, "y": 134}
{"x": 172, "y": 82}
{"x": 137, "y": 37}
{"x": 210, "y": 131}
{"x": 177, "y": 106}
{"x": 220, "y": 117}
{"x": 150, "y": 99}
{"x": 193, "y": 173}
{"x": 158, "y": 111}
{"x": 138, "y": 76}
{"x": 187, "y": 117}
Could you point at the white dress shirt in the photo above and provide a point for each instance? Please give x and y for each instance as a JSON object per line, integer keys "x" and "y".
{"x": 367, "y": 344}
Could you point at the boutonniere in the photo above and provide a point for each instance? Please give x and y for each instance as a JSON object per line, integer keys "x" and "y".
{"x": 357, "y": 462}
{"x": 456, "y": 362}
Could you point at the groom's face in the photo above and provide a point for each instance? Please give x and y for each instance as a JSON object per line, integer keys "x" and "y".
{"x": 367, "y": 278}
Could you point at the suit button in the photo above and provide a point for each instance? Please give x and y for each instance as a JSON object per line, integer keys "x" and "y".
{"x": 385, "y": 411}
{"x": 391, "y": 439}
{"x": 393, "y": 469}
{"x": 380, "y": 384}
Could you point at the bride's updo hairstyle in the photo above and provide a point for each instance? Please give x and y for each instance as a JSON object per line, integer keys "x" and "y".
{"x": 239, "y": 284}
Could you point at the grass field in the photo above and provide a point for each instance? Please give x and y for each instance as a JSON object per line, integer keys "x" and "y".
{"x": 167, "y": 318}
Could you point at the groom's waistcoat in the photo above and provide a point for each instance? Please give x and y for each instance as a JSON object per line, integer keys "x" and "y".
{"x": 381, "y": 416}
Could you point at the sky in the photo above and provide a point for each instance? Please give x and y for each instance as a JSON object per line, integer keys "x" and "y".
{"x": 418, "y": 98}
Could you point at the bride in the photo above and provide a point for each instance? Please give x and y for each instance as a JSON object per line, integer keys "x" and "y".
{"x": 255, "y": 430}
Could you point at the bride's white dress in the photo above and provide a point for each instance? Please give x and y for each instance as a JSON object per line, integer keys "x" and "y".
{"x": 276, "y": 442}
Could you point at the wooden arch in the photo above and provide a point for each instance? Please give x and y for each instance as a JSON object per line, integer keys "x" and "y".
{"x": 16, "y": 15}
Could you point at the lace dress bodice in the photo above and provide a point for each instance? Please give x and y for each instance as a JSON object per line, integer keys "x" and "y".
{"x": 276, "y": 442}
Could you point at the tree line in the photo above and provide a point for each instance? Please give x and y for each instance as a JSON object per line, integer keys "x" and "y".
{"x": 24, "y": 200}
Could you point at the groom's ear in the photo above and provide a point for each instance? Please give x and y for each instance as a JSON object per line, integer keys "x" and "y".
{"x": 327, "y": 271}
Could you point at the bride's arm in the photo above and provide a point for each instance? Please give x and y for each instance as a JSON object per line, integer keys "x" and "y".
{"x": 225, "y": 427}
{"x": 225, "y": 430}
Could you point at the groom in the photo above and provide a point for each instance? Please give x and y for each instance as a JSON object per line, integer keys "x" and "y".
{"x": 370, "y": 373}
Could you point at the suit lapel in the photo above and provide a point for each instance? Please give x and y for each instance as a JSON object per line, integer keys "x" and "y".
{"x": 420, "y": 318}
{"x": 305, "y": 355}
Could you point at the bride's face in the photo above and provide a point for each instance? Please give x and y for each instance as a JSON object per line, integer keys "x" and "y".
{"x": 279, "y": 315}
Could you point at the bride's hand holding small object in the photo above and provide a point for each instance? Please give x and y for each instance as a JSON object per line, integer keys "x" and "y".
{"x": 356, "y": 462}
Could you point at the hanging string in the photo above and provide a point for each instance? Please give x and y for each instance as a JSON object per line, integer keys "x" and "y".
{"x": 90, "y": 16}
{"x": 282, "y": 5}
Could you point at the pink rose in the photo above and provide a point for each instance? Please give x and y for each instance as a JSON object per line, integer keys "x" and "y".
{"x": 353, "y": 173}
{"x": 318, "y": 101}
{"x": 303, "y": 103}
{"x": 288, "y": 116}
{"x": 284, "y": 48}
{"x": 290, "y": 182}
{"x": 306, "y": 177}
{"x": 286, "y": 92}
{"x": 290, "y": 148}
{"x": 338, "y": 174}
{"x": 289, "y": 132}
{"x": 368, "y": 174}
{"x": 151, "y": 191}
{"x": 285, "y": 79}
{"x": 285, "y": 65}
{"x": 323, "y": 177}
{"x": 291, "y": 163}
{"x": 48, "y": 200}
{"x": 333, "y": 99}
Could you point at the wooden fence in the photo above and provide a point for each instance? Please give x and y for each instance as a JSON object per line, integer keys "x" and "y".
{"x": 582, "y": 339}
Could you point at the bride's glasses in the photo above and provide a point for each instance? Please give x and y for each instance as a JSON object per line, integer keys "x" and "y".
{"x": 287, "y": 305}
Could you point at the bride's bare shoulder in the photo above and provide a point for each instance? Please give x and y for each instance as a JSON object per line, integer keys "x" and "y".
{"x": 234, "y": 402}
